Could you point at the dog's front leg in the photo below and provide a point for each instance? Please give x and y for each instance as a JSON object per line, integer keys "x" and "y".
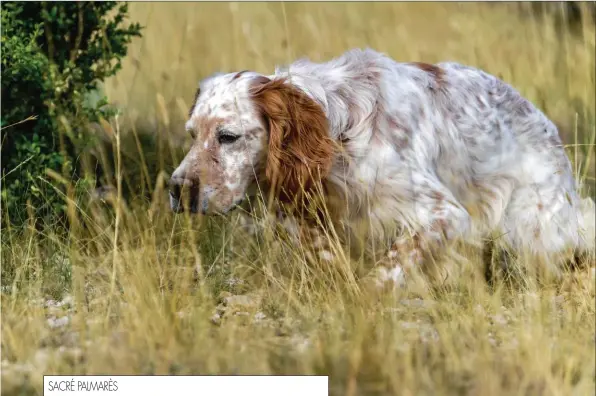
{"x": 310, "y": 237}
{"x": 436, "y": 219}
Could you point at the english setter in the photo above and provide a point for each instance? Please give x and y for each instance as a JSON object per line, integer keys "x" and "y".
{"x": 422, "y": 154}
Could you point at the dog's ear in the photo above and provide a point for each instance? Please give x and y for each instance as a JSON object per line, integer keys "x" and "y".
{"x": 300, "y": 148}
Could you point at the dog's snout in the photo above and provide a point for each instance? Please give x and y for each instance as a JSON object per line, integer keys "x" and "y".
{"x": 175, "y": 190}
{"x": 176, "y": 184}
{"x": 183, "y": 194}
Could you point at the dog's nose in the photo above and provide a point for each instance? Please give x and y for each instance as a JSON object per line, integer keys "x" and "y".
{"x": 183, "y": 194}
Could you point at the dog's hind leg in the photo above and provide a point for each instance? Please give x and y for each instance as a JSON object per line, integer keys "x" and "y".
{"x": 548, "y": 223}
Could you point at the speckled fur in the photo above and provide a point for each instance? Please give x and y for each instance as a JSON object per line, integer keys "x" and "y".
{"x": 429, "y": 154}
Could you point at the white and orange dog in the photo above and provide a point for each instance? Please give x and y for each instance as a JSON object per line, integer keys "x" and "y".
{"x": 423, "y": 154}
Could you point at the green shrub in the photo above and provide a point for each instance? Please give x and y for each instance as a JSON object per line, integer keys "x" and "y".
{"x": 54, "y": 56}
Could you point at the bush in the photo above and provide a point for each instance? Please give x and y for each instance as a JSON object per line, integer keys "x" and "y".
{"x": 54, "y": 56}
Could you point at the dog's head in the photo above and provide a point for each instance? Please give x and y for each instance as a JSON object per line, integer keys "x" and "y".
{"x": 250, "y": 130}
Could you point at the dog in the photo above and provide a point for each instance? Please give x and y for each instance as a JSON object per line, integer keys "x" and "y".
{"x": 421, "y": 154}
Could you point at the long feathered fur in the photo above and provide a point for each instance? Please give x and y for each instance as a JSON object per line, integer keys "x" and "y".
{"x": 420, "y": 154}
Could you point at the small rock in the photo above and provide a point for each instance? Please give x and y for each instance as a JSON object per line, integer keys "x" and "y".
{"x": 51, "y": 303}
{"x": 234, "y": 282}
{"x": 216, "y": 319}
{"x": 242, "y": 314}
{"x": 259, "y": 316}
{"x": 240, "y": 301}
{"x": 67, "y": 301}
{"x": 58, "y": 322}
{"x": 416, "y": 302}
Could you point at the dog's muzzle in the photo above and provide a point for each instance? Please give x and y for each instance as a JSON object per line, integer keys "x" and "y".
{"x": 184, "y": 195}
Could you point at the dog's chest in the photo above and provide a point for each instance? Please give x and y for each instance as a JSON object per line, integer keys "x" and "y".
{"x": 367, "y": 187}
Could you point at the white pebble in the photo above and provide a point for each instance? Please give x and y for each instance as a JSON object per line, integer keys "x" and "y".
{"x": 58, "y": 322}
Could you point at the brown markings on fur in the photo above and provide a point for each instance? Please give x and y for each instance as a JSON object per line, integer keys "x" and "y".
{"x": 207, "y": 126}
{"x": 540, "y": 206}
{"x": 194, "y": 102}
{"x": 400, "y": 133}
{"x": 237, "y": 75}
{"x": 537, "y": 232}
{"x": 206, "y": 160}
{"x": 479, "y": 205}
{"x": 393, "y": 123}
{"x": 206, "y": 166}
{"x": 372, "y": 74}
{"x": 437, "y": 196}
{"x": 300, "y": 149}
{"x": 252, "y": 134}
{"x": 352, "y": 109}
{"x": 408, "y": 251}
{"x": 378, "y": 116}
{"x": 440, "y": 227}
{"x": 433, "y": 70}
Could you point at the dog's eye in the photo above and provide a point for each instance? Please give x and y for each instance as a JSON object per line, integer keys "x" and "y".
{"x": 226, "y": 138}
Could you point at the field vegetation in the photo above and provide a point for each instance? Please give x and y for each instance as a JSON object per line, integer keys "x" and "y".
{"x": 131, "y": 288}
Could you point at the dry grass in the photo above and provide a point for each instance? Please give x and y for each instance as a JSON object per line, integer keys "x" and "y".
{"x": 134, "y": 289}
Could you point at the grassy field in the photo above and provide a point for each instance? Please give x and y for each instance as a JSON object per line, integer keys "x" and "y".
{"x": 133, "y": 289}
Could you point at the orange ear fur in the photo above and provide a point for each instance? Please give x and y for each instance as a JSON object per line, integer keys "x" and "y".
{"x": 300, "y": 148}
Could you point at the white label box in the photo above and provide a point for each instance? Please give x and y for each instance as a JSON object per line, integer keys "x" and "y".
{"x": 174, "y": 385}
